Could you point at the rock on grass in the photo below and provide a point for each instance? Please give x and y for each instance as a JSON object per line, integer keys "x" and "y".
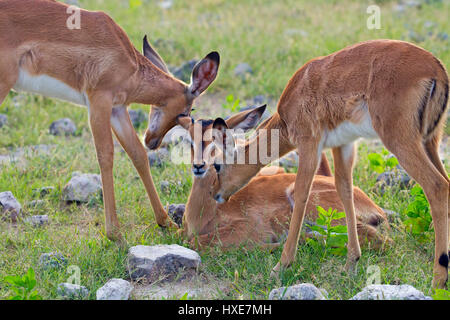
{"x": 10, "y": 208}
{"x": 161, "y": 262}
{"x": 3, "y": 119}
{"x": 63, "y": 127}
{"x": 115, "y": 289}
{"x": 82, "y": 188}
{"x": 176, "y": 212}
{"x": 52, "y": 260}
{"x": 390, "y": 292}
{"x": 304, "y": 291}
{"x": 72, "y": 291}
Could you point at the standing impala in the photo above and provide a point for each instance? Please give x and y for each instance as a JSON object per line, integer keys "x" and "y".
{"x": 386, "y": 89}
{"x": 97, "y": 66}
{"x": 259, "y": 213}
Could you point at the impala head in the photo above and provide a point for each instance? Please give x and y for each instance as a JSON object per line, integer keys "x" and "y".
{"x": 179, "y": 101}
{"x": 204, "y": 152}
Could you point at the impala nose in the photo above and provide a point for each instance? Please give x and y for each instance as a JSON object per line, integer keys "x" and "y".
{"x": 199, "y": 169}
{"x": 219, "y": 199}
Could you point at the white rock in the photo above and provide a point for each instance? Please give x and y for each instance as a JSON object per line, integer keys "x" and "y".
{"x": 390, "y": 292}
{"x": 304, "y": 291}
{"x": 72, "y": 291}
{"x": 82, "y": 187}
{"x": 161, "y": 261}
{"x": 3, "y": 119}
{"x": 9, "y": 206}
{"x": 38, "y": 221}
{"x": 115, "y": 289}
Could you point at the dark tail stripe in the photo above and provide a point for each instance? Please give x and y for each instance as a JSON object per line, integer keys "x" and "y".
{"x": 444, "y": 105}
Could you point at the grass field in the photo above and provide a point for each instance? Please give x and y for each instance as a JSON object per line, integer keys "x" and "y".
{"x": 275, "y": 38}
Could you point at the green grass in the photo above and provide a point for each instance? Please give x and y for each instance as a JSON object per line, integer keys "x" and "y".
{"x": 242, "y": 31}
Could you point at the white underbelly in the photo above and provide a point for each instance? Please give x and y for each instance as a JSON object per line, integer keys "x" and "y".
{"x": 348, "y": 132}
{"x": 49, "y": 87}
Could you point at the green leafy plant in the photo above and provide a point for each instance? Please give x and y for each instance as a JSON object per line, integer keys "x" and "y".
{"x": 231, "y": 103}
{"x": 334, "y": 237}
{"x": 23, "y": 286}
{"x": 382, "y": 162}
{"x": 418, "y": 212}
{"x": 441, "y": 294}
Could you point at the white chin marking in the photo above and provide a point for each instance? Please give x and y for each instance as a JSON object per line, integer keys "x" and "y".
{"x": 49, "y": 87}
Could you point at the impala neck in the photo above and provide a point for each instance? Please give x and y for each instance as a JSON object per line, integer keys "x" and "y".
{"x": 200, "y": 213}
{"x": 156, "y": 87}
{"x": 284, "y": 146}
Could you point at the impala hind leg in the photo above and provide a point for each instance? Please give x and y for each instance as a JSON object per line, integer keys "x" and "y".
{"x": 432, "y": 148}
{"x": 343, "y": 167}
{"x": 415, "y": 160}
{"x": 309, "y": 161}
{"x": 125, "y": 133}
{"x": 100, "y": 122}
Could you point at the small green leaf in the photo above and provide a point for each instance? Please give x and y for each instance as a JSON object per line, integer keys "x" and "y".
{"x": 338, "y": 229}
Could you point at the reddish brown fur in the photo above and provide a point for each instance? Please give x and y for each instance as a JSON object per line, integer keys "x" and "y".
{"x": 99, "y": 61}
{"x": 403, "y": 89}
{"x": 259, "y": 213}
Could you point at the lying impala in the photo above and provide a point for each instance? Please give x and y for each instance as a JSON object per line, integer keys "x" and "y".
{"x": 97, "y": 66}
{"x": 260, "y": 212}
{"x": 386, "y": 89}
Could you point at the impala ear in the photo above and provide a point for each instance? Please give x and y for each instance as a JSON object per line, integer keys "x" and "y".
{"x": 204, "y": 73}
{"x": 247, "y": 119}
{"x": 153, "y": 56}
{"x": 222, "y": 139}
{"x": 185, "y": 121}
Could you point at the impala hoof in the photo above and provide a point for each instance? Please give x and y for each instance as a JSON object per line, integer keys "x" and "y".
{"x": 275, "y": 273}
{"x": 351, "y": 267}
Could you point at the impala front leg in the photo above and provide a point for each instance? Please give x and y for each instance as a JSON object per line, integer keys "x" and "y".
{"x": 100, "y": 122}
{"x": 309, "y": 158}
{"x": 343, "y": 166}
{"x": 125, "y": 133}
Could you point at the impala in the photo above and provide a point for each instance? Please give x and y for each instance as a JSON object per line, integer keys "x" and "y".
{"x": 386, "y": 89}
{"x": 259, "y": 213}
{"x": 97, "y": 66}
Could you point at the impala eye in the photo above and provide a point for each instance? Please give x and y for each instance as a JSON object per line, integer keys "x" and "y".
{"x": 217, "y": 167}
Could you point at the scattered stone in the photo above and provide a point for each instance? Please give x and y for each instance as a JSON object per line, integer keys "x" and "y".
{"x": 164, "y": 186}
{"x": 82, "y": 187}
{"x": 38, "y": 221}
{"x": 52, "y": 260}
{"x": 289, "y": 161}
{"x": 115, "y": 289}
{"x": 243, "y": 70}
{"x": 72, "y": 291}
{"x": 398, "y": 177}
{"x": 390, "y": 292}
{"x": 176, "y": 212}
{"x": 443, "y": 36}
{"x": 3, "y": 119}
{"x": 161, "y": 262}
{"x": 137, "y": 117}
{"x": 18, "y": 157}
{"x": 10, "y": 208}
{"x": 184, "y": 71}
{"x": 156, "y": 158}
{"x": 260, "y": 100}
{"x": 304, "y": 291}
{"x": 63, "y": 127}
{"x": 44, "y": 191}
{"x": 201, "y": 287}
{"x": 35, "y": 204}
